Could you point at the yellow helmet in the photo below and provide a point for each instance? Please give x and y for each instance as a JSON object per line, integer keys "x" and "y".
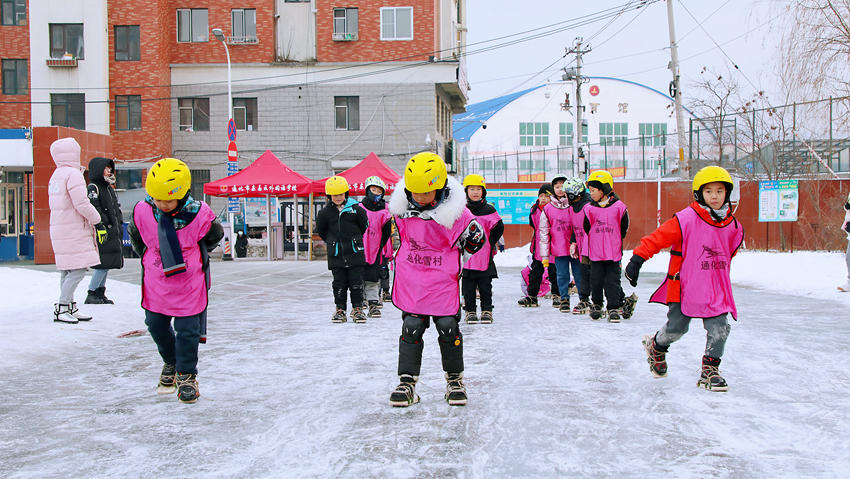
{"x": 711, "y": 174}
{"x": 474, "y": 180}
{"x": 425, "y": 172}
{"x": 336, "y": 185}
{"x": 603, "y": 178}
{"x": 168, "y": 179}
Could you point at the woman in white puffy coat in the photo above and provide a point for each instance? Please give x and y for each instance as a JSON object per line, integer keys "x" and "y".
{"x": 72, "y": 227}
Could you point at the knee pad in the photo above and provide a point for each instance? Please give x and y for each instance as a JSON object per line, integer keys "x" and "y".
{"x": 447, "y": 328}
{"x": 413, "y": 327}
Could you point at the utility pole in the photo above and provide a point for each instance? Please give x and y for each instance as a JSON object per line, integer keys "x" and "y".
{"x": 575, "y": 73}
{"x": 676, "y": 92}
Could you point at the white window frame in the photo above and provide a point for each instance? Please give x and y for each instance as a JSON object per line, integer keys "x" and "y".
{"x": 393, "y": 11}
{"x": 246, "y": 36}
{"x": 192, "y": 39}
{"x": 350, "y": 23}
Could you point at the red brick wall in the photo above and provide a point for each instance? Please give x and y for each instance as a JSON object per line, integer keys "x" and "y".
{"x": 369, "y": 46}
{"x": 15, "y": 44}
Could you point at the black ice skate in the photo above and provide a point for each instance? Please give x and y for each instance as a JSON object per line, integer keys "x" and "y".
{"x": 583, "y": 307}
{"x": 471, "y": 318}
{"x": 556, "y": 301}
{"x": 565, "y": 305}
{"x": 187, "y": 388}
{"x": 486, "y": 317}
{"x": 528, "y": 302}
{"x": 405, "y": 393}
{"x": 596, "y": 311}
{"x": 374, "y": 309}
{"x": 386, "y": 296}
{"x": 614, "y": 315}
{"x": 656, "y": 356}
{"x": 710, "y": 378}
{"x": 339, "y": 316}
{"x": 358, "y": 315}
{"x": 455, "y": 390}
{"x": 629, "y": 306}
{"x": 166, "y": 380}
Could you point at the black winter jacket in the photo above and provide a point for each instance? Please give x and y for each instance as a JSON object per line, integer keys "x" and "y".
{"x": 342, "y": 232}
{"x": 103, "y": 198}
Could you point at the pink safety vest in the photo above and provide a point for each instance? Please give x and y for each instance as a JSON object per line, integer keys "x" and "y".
{"x": 184, "y": 294}
{"x": 604, "y": 242}
{"x": 535, "y": 222}
{"x": 427, "y": 266}
{"x": 480, "y": 261}
{"x": 706, "y": 288}
{"x": 372, "y": 236}
{"x": 577, "y": 224}
{"x": 388, "y": 247}
{"x": 559, "y": 229}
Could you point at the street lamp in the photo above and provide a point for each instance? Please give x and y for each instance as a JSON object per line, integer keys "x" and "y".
{"x": 220, "y": 37}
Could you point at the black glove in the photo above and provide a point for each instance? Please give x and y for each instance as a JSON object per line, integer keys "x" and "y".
{"x": 633, "y": 269}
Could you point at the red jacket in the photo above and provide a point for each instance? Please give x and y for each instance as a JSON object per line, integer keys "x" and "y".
{"x": 669, "y": 235}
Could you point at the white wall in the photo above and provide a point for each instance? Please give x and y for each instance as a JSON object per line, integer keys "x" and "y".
{"x": 296, "y": 31}
{"x": 91, "y": 73}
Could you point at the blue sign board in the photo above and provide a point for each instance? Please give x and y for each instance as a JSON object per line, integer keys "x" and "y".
{"x": 233, "y": 205}
{"x": 231, "y": 130}
{"x": 513, "y": 206}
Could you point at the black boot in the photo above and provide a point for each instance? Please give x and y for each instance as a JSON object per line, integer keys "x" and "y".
{"x": 101, "y": 293}
{"x": 710, "y": 378}
{"x": 93, "y": 297}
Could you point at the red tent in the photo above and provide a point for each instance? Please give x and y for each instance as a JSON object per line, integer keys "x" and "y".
{"x": 357, "y": 174}
{"x": 267, "y": 175}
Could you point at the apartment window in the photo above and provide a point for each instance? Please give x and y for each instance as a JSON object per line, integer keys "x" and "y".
{"x": 534, "y": 134}
{"x": 127, "y": 43}
{"x": 345, "y": 24}
{"x": 128, "y": 112}
{"x": 653, "y": 134}
{"x": 199, "y": 177}
{"x": 14, "y": 77}
{"x": 14, "y": 12}
{"x": 194, "y": 114}
{"x": 531, "y": 165}
{"x": 244, "y": 25}
{"x": 347, "y": 109}
{"x": 245, "y": 113}
{"x": 66, "y": 38}
{"x": 128, "y": 179}
{"x": 68, "y": 109}
{"x": 613, "y": 134}
{"x": 566, "y": 134}
{"x": 397, "y": 23}
{"x": 192, "y": 25}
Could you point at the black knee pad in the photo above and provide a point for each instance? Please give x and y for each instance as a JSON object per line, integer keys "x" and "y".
{"x": 447, "y": 328}
{"x": 413, "y": 327}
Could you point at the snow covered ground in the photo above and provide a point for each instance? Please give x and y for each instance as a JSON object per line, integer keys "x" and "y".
{"x": 285, "y": 393}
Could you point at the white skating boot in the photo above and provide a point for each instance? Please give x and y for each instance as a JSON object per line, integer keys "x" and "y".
{"x": 62, "y": 314}
{"x": 77, "y": 314}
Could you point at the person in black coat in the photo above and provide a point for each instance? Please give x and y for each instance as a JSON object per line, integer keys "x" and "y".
{"x": 110, "y": 232}
{"x": 241, "y": 245}
{"x": 341, "y": 225}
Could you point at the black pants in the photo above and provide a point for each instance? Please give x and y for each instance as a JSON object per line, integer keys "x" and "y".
{"x": 605, "y": 275}
{"x": 536, "y": 277}
{"x": 584, "y": 290}
{"x": 384, "y": 275}
{"x": 484, "y": 284}
{"x": 177, "y": 346}
{"x": 410, "y": 344}
{"x": 348, "y": 280}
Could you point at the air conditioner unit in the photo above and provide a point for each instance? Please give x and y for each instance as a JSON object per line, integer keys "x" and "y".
{"x": 344, "y": 37}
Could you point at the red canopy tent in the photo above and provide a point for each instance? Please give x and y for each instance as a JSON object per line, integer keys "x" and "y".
{"x": 357, "y": 174}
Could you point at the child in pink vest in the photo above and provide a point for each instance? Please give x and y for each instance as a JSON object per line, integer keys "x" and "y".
{"x": 480, "y": 269}
{"x": 539, "y": 263}
{"x": 555, "y": 231}
{"x": 434, "y": 229}
{"x": 173, "y": 233}
{"x": 703, "y": 238}
{"x": 606, "y": 223}
{"x": 374, "y": 241}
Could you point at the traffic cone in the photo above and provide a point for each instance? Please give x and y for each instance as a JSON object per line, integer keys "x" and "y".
{"x": 227, "y": 256}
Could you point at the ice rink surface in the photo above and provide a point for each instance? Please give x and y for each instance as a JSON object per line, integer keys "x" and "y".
{"x": 286, "y": 393}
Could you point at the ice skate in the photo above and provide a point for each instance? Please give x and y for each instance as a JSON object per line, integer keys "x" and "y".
{"x": 572, "y": 289}
{"x": 655, "y": 356}
{"x": 614, "y": 315}
{"x": 455, "y": 390}
{"x": 374, "y": 310}
{"x": 582, "y": 307}
{"x": 565, "y": 305}
{"x": 528, "y": 302}
{"x": 629, "y": 306}
{"x": 844, "y": 287}
{"x": 556, "y": 301}
{"x": 166, "y": 380}
{"x": 62, "y": 314}
{"x": 187, "y": 388}
{"x": 596, "y": 312}
{"x": 710, "y": 378}
{"x": 358, "y": 315}
{"x": 339, "y": 316}
{"x": 486, "y": 317}
{"x": 471, "y": 318}
{"x": 386, "y": 297}
{"x": 405, "y": 393}
{"x": 77, "y": 314}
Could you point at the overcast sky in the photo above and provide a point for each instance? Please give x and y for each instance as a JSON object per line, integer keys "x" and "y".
{"x": 635, "y": 46}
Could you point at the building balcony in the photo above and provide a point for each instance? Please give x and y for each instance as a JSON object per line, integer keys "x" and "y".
{"x": 62, "y": 62}
{"x": 344, "y": 37}
{"x": 243, "y": 40}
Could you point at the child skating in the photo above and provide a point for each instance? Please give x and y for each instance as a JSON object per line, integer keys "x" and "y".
{"x": 554, "y": 241}
{"x": 703, "y": 238}
{"x": 606, "y": 223}
{"x": 376, "y": 237}
{"x": 480, "y": 269}
{"x": 172, "y": 233}
{"x": 579, "y": 261}
{"x": 539, "y": 262}
{"x": 341, "y": 224}
{"x": 434, "y": 230}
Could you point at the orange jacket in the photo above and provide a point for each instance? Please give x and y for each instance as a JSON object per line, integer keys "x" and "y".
{"x": 669, "y": 235}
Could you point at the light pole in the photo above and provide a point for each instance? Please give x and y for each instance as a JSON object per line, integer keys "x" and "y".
{"x": 217, "y": 33}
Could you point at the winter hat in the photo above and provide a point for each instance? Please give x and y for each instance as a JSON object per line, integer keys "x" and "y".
{"x": 547, "y": 189}
{"x": 65, "y": 152}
